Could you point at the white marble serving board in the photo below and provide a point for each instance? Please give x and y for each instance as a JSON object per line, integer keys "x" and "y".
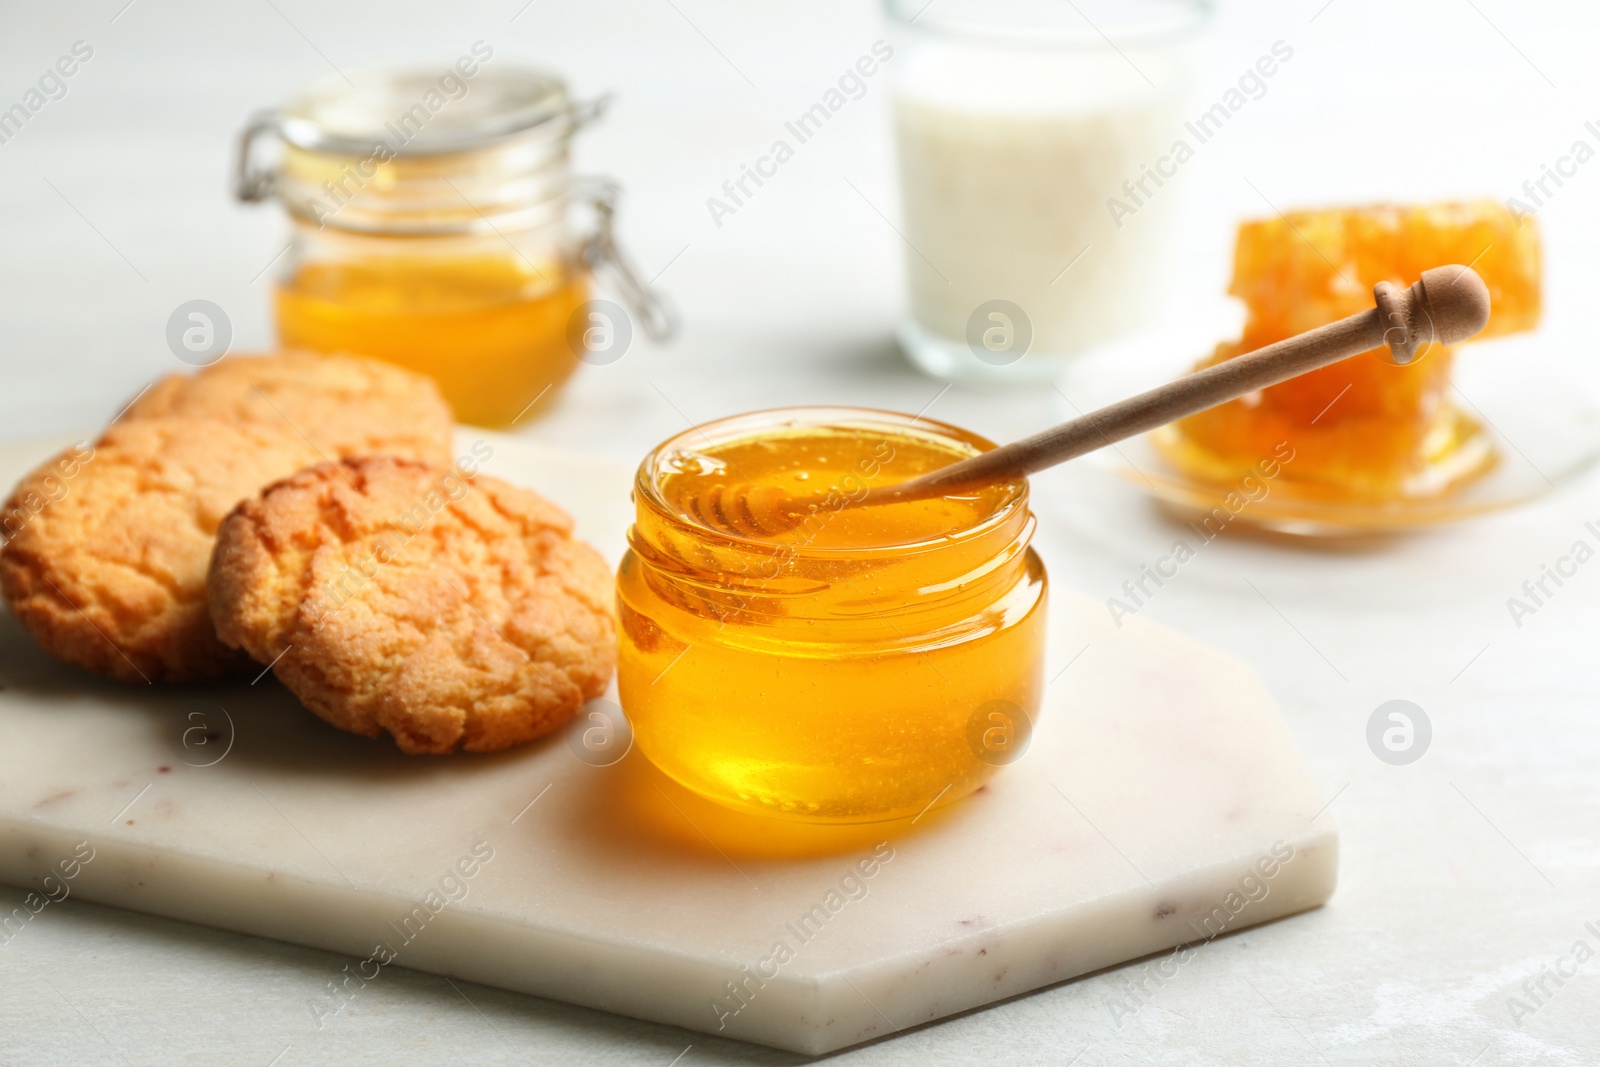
{"x": 1159, "y": 784}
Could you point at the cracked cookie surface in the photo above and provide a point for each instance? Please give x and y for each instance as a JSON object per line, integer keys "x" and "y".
{"x": 394, "y": 595}
{"x": 108, "y": 570}
{"x": 344, "y": 405}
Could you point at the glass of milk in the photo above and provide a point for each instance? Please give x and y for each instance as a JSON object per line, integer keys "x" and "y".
{"x": 1036, "y": 143}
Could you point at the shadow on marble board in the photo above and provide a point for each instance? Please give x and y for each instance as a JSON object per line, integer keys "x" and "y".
{"x": 269, "y": 727}
{"x": 616, "y": 812}
{"x": 633, "y": 806}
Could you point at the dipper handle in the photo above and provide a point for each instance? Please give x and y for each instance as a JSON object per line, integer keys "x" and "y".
{"x": 1449, "y": 304}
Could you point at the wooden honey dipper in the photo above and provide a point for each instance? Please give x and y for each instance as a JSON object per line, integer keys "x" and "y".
{"x": 1449, "y": 304}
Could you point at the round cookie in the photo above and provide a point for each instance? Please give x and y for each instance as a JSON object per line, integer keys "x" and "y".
{"x": 344, "y": 405}
{"x": 389, "y": 594}
{"x": 106, "y": 560}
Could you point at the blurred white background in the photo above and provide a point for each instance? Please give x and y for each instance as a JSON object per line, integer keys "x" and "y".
{"x": 117, "y": 206}
{"x": 116, "y": 209}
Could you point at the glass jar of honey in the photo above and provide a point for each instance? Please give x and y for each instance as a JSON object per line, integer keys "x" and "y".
{"x": 434, "y": 225}
{"x": 863, "y": 664}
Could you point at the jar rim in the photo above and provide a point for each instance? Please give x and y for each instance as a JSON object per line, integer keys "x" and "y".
{"x": 749, "y": 424}
{"x": 998, "y": 23}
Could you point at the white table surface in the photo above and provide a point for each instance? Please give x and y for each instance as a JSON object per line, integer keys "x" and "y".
{"x": 1463, "y": 874}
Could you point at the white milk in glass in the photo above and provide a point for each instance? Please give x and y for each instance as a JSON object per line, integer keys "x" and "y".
{"x": 1013, "y": 161}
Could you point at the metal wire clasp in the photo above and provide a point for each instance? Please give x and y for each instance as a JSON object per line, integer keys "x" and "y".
{"x": 603, "y": 256}
{"x": 250, "y": 182}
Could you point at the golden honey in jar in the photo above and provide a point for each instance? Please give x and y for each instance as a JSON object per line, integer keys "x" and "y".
{"x": 431, "y": 227}
{"x": 863, "y": 664}
{"x": 489, "y": 328}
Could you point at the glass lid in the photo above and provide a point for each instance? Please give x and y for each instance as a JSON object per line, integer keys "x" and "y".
{"x": 422, "y": 110}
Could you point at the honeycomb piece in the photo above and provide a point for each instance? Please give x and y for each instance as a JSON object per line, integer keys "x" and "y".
{"x": 1364, "y": 427}
{"x": 1309, "y": 268}
{"x": 1361, "y": 427}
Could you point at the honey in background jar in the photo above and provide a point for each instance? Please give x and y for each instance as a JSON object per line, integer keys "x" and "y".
{"x": 491, "y": 330}
{"x": 431, "y": 212}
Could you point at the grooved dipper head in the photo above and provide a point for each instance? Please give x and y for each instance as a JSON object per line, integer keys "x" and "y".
{"x": 1449, "y": 304}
